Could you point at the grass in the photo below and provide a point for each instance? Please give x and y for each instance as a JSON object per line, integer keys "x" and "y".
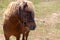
{"x": 43, "y": 8}
{"x": 58, "y": 26}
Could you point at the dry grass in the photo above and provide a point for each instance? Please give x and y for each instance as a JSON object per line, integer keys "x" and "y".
{"x": 47, "y": 17}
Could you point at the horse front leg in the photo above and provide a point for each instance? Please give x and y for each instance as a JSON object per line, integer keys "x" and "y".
{"x": 18, "y": 37}
{"x": 23, "y": 38}
{"x": 25, "y": 35}
{"x": 6, "y": 37}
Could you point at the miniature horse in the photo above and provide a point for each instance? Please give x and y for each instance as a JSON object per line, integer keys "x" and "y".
{"x": 18, "y": 19}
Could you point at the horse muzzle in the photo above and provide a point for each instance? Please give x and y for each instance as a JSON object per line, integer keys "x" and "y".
{"x": 32, "y": 27}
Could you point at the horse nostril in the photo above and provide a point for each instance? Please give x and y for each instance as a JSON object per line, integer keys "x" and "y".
{"x": 32, "y": 27}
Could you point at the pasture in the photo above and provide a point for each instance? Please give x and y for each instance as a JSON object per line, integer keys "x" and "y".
{"x": 47, "y": 18}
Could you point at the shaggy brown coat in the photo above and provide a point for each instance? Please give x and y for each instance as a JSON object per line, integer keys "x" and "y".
{"x": 12, "y": 24}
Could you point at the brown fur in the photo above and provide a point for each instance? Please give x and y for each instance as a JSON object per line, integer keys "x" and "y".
{"x": 12, "y": 24}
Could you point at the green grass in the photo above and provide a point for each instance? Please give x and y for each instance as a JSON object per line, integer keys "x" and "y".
{"x": 58, "y": 26}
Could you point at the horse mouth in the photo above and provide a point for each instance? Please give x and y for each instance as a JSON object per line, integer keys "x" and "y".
{"x": 32, "y": 27}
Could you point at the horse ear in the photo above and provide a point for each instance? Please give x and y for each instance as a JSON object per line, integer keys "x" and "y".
{"x": 25, "y": 5}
